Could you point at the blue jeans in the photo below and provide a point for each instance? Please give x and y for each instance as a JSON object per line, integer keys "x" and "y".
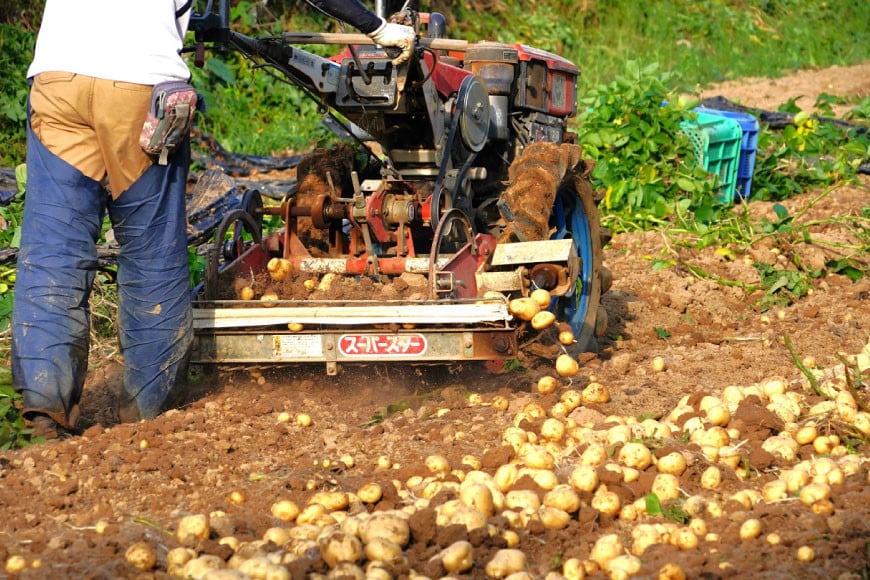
{"x": 57, "y": 263}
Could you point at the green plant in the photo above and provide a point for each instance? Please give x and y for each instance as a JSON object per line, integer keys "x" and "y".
{"x": 781, "y": 287}
{"x": 644, "y": 162}
{"x": 673, "y": 511}
{"x": 13, "y": 431}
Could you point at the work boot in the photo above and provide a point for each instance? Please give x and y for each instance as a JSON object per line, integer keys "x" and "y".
{"x": 41, "y": 425}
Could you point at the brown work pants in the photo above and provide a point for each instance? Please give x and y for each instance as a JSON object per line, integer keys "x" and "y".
{"x": 92, "y": 124}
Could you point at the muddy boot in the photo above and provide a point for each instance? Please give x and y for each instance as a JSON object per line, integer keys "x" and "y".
{"x": 41, "y": 425}
{"x": 128, "y": 410}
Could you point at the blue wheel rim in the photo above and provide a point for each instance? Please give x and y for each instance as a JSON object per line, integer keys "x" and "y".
{"x": 570, "y": 220}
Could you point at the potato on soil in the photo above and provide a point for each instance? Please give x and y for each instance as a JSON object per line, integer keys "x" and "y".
{"x": 567, "y": 366}
{"x": 141, "y": 556}
{"x": 242, "y": 289}
{"x": 269, "y": 298}
{"x": 279, "y": 268}
{"x": 192, "y": 528}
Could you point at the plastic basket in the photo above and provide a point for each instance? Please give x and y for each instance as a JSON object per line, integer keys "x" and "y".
{"x": 748, "y": 148}
{"x": 716, "y": 141}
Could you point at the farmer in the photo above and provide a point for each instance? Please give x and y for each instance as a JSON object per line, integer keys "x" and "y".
{"x": 95, "y": 64}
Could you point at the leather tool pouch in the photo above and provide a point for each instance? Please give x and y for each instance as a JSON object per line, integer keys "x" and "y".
{"x": 170, "y": 115}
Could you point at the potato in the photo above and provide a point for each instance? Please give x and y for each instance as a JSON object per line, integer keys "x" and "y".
{"x": 457, "y": 558}
{"x": 572, "y": 569}
{"x": 176, "y": 558}
{"x": 719, "y": 415}
{"x": 562, "y": 497}
{"x": 338, "y": 546}
{"x": 543, "y": 319}
{"x": 521, "y": 499}
{"x": 541, "y": 297}
{"x": 192, "y": 528}
{"x": 595, "y": 393}
{"x": 385, "y": 525}
{"x": 467, "y": 516}
{"x": 814, "y": 492}
{"x": 285, "y": 510}
{"x": 607, "y": 502}
{"x": 370, "y": 493}
{"x": 805, "y": 554}
{"x": 553, "y": 429}
{"x": 303, "y": 419}
{"x": 673, "y": 463}
{"x": 310, "y": 514}
{"x": 383, "y": 550}
{"x": 635, "y": 455}
{"x": 246, "y": 293}
{"x": 479, "y": 497}
{"x": 774, "y": 491}
{"x": 278, "y": 268}
{"x": 571, "y": 399}
{"x": 594, "y": 454}
{"x": 506, "y": 561}
{"x": 566, "y": 337}
{"x": 623, "y": 566}
{"x": 523, "y": 308}
{"x": 548, "y": 384}
{"x": 269, "y": 298}
{"x": 567, "y": 366}
{"x": 671, "y": 571}
{"x": 606, "y": 548}
{"x": 331, "y": 500}
{"x": 666, "y": 486}
{"x": 295, "y": 326}
{"x": 551, "y": 518}
{"x": 536, "y": 457}
{"x": 684, "y": 538}
{"x": 141, "y": 556}
{"x": 506, "y": 476}
{"x": 437, "y": 464}
{"x": 643, "y": 536}
{"x": 750, "y": 529}
{"x": 584, "y": 478}
{"x": 202, "y": 565}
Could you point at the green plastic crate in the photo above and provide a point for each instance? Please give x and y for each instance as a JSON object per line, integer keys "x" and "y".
{"x": 716, "y": 141}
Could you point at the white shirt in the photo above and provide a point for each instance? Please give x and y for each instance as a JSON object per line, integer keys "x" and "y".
{"x": 136, "y": 41}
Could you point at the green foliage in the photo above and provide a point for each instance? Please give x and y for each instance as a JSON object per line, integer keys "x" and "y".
{"x": 781, "y": 287}
{"x": 645, "y": 163}
{"x": 16, "y": 47}
{"x": 13, "y": 432}
{"x": 810, "y": 152}
{"x": 197, "y": 264}
{"x": 673, "y": 511}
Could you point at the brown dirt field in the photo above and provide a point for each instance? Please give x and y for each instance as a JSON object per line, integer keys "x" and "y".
{"x": 72, "y": 508}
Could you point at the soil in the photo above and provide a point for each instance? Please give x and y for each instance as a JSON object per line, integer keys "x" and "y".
{"x": 71, "y": 508}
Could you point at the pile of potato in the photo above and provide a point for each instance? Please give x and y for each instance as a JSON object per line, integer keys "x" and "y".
{"x": 566, "y": 460}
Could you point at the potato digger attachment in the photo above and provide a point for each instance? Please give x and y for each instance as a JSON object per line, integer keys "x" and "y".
{"x": 463, "y": 192}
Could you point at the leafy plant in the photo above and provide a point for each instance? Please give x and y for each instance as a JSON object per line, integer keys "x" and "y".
{"x": 673, "y": 511}
{"x": 782, "y": 287}
{"x": 645, "y": 161}
{"x": 13, "y": 432}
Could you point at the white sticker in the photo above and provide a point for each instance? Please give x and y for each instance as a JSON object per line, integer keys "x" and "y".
{"x": 288, "y": 346}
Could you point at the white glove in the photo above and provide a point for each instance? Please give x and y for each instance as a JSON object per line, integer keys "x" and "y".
{"x": 400, "y": 36}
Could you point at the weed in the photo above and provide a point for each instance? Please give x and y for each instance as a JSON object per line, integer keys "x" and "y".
{"x": 13, "y": 432}
{"x": 673, "y": 511}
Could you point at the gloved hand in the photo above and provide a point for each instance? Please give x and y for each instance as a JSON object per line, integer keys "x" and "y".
{"x": 400, "y": 36}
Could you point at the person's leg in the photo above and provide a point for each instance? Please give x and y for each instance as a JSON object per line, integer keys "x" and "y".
{"x": 56, "y": 264}
{"x": 155, "y": 316}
